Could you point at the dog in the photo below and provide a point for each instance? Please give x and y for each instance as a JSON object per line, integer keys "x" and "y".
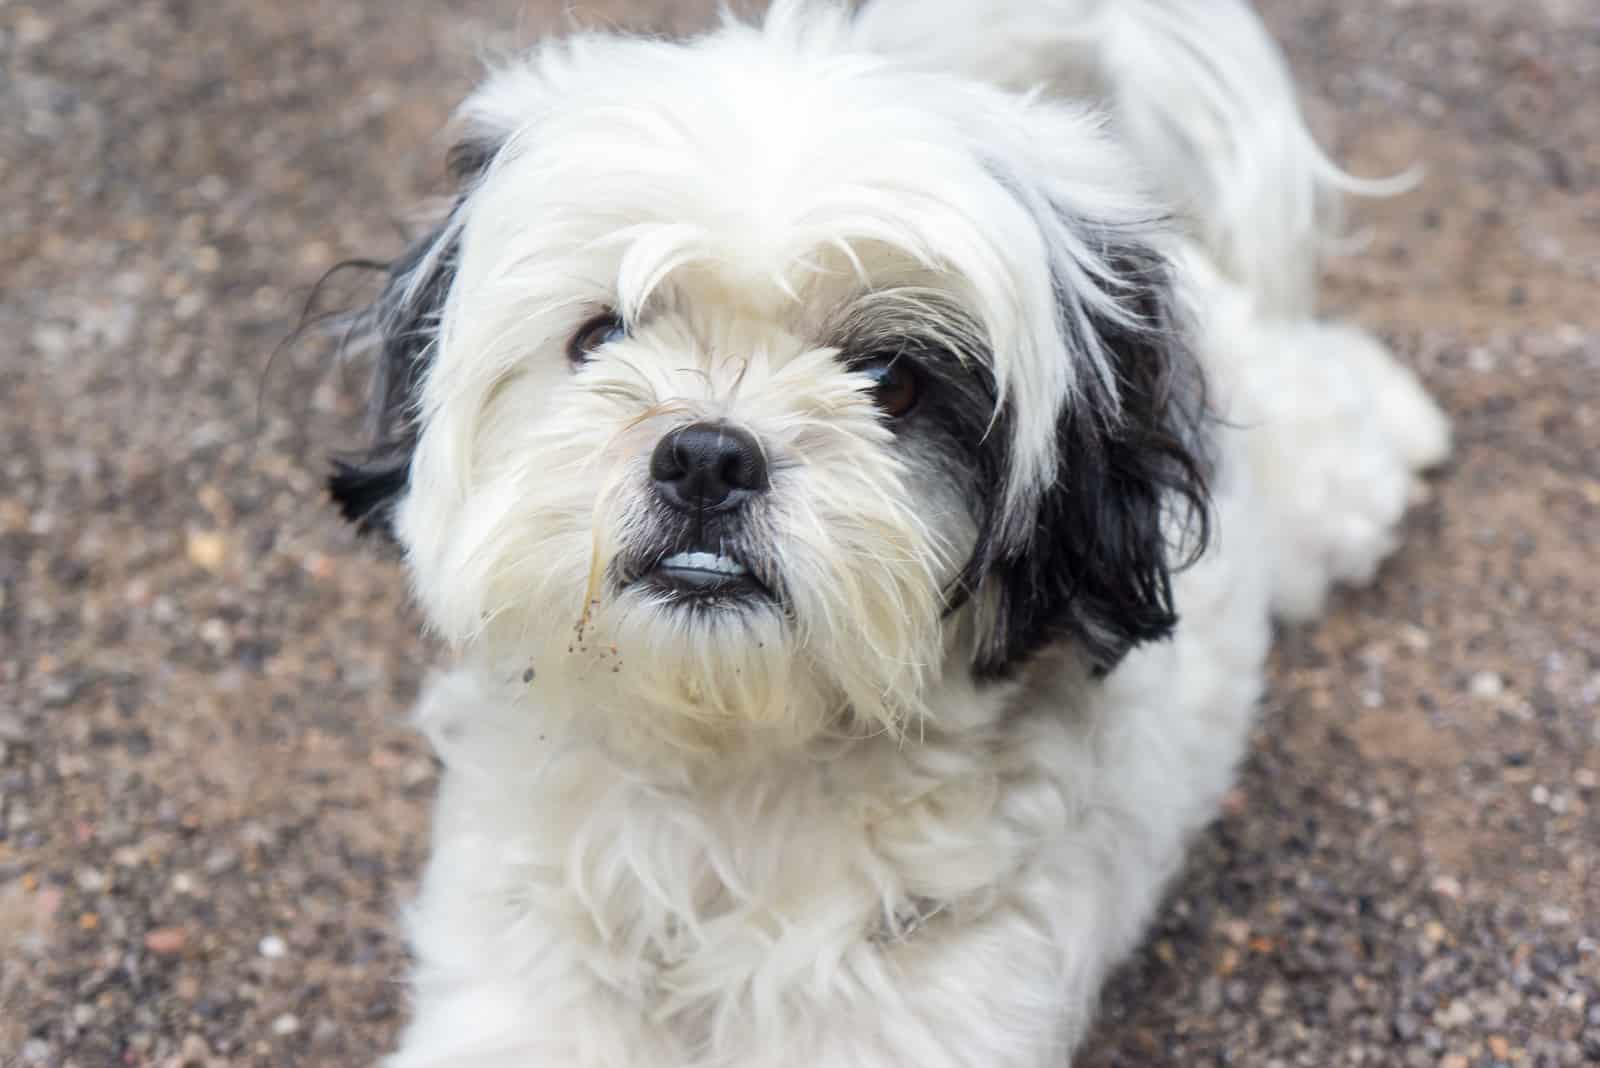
{"x": 855, "y": 457}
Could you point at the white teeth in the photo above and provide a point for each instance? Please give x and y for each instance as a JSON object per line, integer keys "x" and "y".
{"x": 723, "y": 565}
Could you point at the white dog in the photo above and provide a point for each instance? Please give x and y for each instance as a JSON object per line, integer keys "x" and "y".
{"x": 856, "y": 459}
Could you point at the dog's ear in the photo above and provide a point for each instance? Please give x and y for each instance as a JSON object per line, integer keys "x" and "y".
{"x": 401, "y": 325}
{"x": 1128, "y": 503}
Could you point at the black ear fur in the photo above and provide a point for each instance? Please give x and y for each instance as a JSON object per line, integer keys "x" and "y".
{"x": 404, "y": 321}
{"x": 1097, "y": 569}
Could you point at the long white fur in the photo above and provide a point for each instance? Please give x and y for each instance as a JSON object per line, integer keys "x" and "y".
{"x": 655, "y": 845}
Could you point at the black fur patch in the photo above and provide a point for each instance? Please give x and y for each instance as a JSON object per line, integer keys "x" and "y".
{"x": 405, "y": 318}
{"x": 1097, "y": 568}
{"x": 404, "y": 321}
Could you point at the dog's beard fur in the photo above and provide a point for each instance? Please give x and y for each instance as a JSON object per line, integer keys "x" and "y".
{"x": 1001, "y": 245}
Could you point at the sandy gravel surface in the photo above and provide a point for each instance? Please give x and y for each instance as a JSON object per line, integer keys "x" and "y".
{"x": 209, "y": 803}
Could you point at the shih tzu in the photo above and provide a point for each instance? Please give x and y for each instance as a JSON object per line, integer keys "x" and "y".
{"x": 855, "y": 458}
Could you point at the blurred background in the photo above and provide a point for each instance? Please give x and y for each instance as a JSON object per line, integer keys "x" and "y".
{"x": 210, "y": 805}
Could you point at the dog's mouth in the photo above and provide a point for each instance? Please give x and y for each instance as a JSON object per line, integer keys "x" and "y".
{"x": 704, "y": 576}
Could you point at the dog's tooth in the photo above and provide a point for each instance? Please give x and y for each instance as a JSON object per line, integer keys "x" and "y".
{"x": 703, "y": 561}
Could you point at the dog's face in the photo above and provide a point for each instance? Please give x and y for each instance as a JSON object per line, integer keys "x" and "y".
{"x": 752, "y": 385}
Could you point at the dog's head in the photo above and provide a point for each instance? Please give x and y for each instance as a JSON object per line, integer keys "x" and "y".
{"x": 752, "y": 384}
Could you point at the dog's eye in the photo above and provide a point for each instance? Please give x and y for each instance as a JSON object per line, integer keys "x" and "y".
{"x": 601, "y": 330}
{"x": 895, "y": 383}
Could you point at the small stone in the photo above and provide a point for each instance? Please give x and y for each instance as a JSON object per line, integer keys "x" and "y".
{"x": 1454, "y": 1060}
{"x": 195, "y": 1050}
{"x": 165, "y": 941}
{"x": 207, "y": 550}
{"x": 1457, "y": 1014}
{"x": 287, "y": 1024}
{"x": 1499, "y": 1047}
{"x": 272, "y": 947}
{"x": 59, "y": 692}
{"x": 1486, "y": 686}
{"x": 1342, "y": 1004}
{"x": 219, "y": 861}
{"x": 1415, "y": 638}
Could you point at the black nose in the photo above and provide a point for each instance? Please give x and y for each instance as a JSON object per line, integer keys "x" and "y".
{"x": 707, "y": 465}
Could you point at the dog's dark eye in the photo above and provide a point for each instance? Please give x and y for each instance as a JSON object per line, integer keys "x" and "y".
{"x": 895, "y": 383}
{"x": 601, "y": 330}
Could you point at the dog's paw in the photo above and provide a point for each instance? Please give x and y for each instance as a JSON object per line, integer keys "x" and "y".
{"x": 1343, "y": 432}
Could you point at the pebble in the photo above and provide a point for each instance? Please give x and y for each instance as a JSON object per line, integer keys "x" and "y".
{"x": 287, "y": 1024}
{"x": 272, "y": 947}
{"x": 60, "y": 691}
{"x": 207, "y": 550}
{"x": 1486, "y": 685}
{"x": 165, "y": 941}
{"x": 324, "y": 1032}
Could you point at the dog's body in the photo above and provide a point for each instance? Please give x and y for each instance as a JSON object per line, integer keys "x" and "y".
{"x": 912, "y": 775}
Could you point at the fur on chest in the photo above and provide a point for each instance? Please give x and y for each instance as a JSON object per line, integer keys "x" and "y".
{"x": 771, "y": 877}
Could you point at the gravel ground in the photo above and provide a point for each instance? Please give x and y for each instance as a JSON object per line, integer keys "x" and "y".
{"x": 209, "y": 803}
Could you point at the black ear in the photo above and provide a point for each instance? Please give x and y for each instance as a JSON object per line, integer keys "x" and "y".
{"x": 403, "y": 323}
{"x": 1129, "y": 504}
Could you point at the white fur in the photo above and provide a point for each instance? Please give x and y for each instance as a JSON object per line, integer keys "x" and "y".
{"x": 662, "y": 846}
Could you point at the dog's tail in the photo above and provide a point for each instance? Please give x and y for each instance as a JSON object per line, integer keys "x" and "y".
{"x": 1205, "y": 98}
